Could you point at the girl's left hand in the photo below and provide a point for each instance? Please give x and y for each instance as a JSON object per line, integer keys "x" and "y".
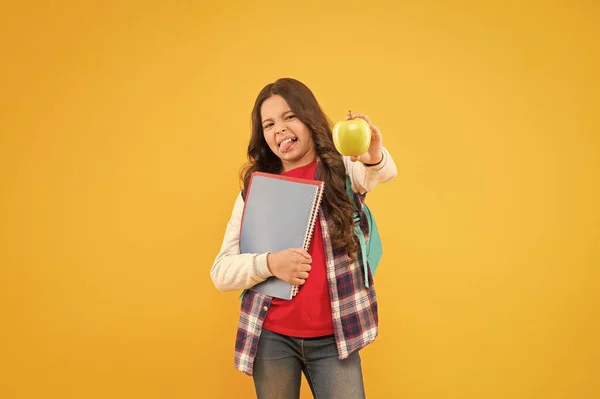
{"x": 375, "y": 153}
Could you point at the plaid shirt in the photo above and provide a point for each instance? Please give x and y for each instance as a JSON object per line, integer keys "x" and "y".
{"x": 353, "y": 306}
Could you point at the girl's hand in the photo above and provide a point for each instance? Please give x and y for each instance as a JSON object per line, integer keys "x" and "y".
{"x": 375, "y": 153}
{"x": 290, "y": 265}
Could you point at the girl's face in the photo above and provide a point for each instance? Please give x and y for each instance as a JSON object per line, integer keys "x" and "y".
{"x": 287, "y": 136}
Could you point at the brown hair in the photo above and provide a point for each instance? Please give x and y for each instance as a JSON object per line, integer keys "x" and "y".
{"x": 303, "y": 103}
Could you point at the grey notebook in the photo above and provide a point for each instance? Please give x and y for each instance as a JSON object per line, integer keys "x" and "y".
{"x": 280, "y": 212}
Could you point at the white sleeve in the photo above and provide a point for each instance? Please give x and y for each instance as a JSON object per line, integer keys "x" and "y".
{"x": 232, "y": 270}
{"x": 364, "y": 178}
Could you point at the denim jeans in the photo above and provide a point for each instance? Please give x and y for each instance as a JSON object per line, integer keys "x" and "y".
{"x": 281, "y": 360}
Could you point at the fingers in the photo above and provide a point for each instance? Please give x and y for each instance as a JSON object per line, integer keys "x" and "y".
{"x": 300, "y": 278}
{"x": 375, "y": 133}
{"x": 301, "y": 251}
{"x": 302, "y": 275}
{"x": 302, "y": 267}
{"x": 365, "y": 117}
{"x": 354, "y": 159}
{"x": 300, "y": 271}
{"x": 355, "y": 115}
{"x": 298, "y": 281}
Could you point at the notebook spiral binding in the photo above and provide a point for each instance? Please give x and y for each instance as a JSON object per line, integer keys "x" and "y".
{"x": 310, "y": 226}
{"x": 295, "y": 289}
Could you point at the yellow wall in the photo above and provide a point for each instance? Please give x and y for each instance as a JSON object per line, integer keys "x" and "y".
{"x": 122, "y": 130}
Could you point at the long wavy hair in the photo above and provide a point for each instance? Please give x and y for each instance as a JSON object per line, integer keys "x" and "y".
{"x": 332, "y": 171}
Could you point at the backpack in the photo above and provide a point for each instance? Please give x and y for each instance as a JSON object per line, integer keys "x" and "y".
{"x": 371, "y": 249}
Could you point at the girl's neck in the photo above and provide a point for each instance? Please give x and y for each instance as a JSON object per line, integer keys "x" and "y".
{"x": 305, "y": 160}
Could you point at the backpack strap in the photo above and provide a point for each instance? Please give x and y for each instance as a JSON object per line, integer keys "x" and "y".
{"x": 358, "y": 231}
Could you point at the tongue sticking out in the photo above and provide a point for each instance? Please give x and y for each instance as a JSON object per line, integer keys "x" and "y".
{"x": 286, "y": 145}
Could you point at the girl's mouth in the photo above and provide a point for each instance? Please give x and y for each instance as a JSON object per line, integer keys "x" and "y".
{"x": 287, "y": 144}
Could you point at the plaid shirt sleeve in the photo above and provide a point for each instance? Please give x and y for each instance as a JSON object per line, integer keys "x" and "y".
{"x": 253, "y": 310}
{"x": 354, "y": 307}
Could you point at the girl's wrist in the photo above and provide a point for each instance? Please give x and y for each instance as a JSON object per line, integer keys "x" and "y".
{"x": 376, "y": 163}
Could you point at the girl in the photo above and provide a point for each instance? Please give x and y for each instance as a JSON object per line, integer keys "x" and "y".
{"x": 322, "y": 329}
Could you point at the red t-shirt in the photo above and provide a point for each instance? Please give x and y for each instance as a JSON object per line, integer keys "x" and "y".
{"x": 308, "y": 314}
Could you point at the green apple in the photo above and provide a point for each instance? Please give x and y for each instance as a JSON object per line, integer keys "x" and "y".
{"x": 352, "y": 137}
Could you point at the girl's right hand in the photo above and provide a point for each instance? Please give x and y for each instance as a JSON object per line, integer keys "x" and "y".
{"x": 290, "y": 265}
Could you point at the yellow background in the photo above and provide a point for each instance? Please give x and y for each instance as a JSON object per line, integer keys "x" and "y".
{"x": 123, "y": 126}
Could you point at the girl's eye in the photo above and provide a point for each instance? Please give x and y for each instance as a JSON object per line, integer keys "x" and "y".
{"x": 291, "y": 116}
{"x": 268, "y": 125}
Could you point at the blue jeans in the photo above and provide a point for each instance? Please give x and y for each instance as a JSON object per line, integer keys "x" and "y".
{"x": 281, "y": 360}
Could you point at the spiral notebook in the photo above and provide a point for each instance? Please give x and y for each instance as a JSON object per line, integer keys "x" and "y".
{"x": 280, "y": 212}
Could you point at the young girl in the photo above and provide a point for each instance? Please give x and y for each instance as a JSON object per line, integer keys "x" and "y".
{"x": 334, "y": 315}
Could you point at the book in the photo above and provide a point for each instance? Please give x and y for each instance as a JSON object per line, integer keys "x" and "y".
{"x": 279, "y": 213}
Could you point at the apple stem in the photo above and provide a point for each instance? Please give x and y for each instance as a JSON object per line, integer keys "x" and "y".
{"x": 350, "y": 113}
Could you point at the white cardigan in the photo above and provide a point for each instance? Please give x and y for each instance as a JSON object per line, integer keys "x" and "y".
{"x": 234, "y": 271}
